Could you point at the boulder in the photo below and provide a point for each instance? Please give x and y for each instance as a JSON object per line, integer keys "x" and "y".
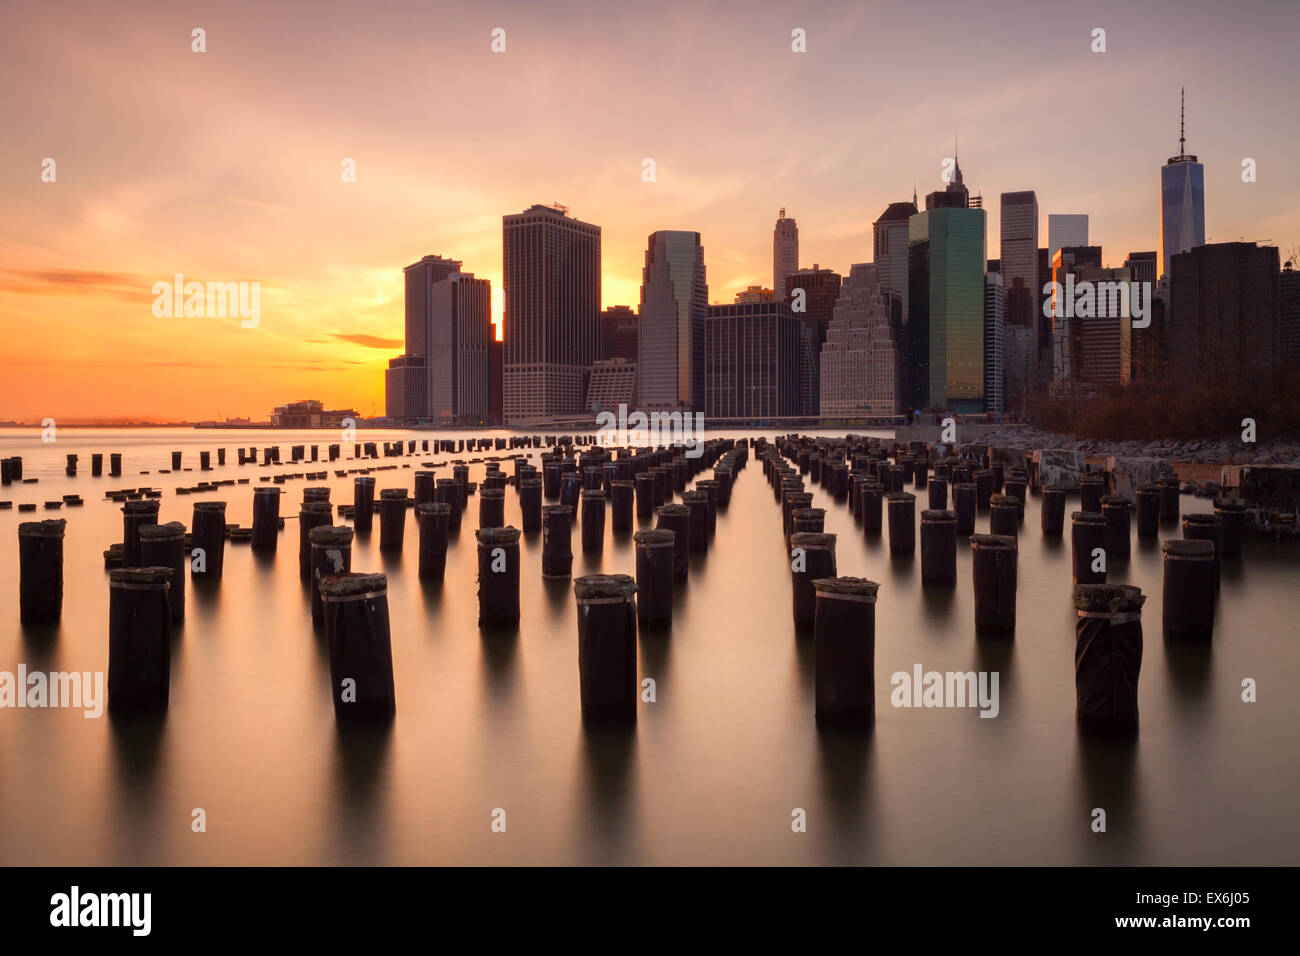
{"x": 1059, "y": 468}
{"x": 1129, "y": 474}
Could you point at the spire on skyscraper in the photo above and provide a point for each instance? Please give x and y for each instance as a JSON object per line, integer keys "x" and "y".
{"x": 1182, "y": 138}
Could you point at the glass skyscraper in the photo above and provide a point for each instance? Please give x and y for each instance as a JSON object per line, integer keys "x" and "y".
{"x": 1182, "y": 202}
{"x": 947, "y": 253}
{"x": 674, "y": 302}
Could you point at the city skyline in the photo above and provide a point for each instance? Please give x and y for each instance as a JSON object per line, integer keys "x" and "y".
{"x": 248, "y": 188}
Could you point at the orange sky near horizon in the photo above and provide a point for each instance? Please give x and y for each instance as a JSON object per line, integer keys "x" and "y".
{"x": 225, "y": 166}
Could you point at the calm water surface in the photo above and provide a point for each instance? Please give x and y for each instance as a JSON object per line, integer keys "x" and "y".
{"x": 713, "y": 769}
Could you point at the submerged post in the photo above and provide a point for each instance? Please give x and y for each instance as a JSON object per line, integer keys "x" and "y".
{"x": 557, "y": 541}
{"x": 139, "y": 640}
{"x": 654, "y": 575}
{"x": 812, "y": 556}
{"x": 607, "y": 647}
{"x": 163, "y": 546}
{"x": 498, "y": 576}
{"x": 1107, "y": 656}
{"x": 355, "y": 607}
{"x": 1189, "y": 594}
{"x": 40, "y": 572}
{"x": 845, "y": 651}
{"x": 331, "y": 553}
{"x": 993, "y": 572}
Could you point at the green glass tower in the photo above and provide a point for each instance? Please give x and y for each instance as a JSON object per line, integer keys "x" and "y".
{"x": 947, "y": 256}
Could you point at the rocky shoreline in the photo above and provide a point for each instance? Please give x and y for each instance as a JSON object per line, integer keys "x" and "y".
{"x": 1200, "y": 452}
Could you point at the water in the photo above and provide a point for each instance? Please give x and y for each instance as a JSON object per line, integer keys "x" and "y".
{"x": 713, "y": 769}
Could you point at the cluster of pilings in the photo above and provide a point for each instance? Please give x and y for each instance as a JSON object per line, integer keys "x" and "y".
{"x": 576, "y": 481}
{"x": 870, "y": 476}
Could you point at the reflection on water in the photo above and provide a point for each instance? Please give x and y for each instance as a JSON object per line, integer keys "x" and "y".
{"x": 489, "y": 719}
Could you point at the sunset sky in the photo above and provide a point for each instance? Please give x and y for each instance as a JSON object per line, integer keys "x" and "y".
{"x": 225, "y": 165}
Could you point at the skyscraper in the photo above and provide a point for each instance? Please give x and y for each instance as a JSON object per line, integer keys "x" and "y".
{"x": 945, "y": 329}
{"x": 861, "y": 361}
{"x": 459, "y": 349}
{"x": 1021, "y": 286}
{"x": 420, "y": 278}
{"x": 1225, "y": 316}
{"x": 994, "y": 344}
{"x": 752, "y": 361}
{"x": 785, "y": 251}
{"x": 889, "y": 249}
{"x": 1065, "y": 229}
{"x": 407, "y": 379}
{"x": 1067, "y": 350}
{"x": 1146, "y": 344}
{"x": 551, "y": 279}
{"x": 813, "y": 306}
{"x": 1182, "y": 200}
{"x": 674, "y": 302}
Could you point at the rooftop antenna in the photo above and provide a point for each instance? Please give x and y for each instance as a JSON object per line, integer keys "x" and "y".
{"x": 1182, "y": 139}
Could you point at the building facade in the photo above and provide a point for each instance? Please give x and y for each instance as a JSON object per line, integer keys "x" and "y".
{"x": 861, "y": 360}
{"x": 751, "y": 361}
{"x": 406, "y": 387}
{"x": 812, "y": 294}
{"x": 618, "y": 333}
{"x": 889, "y": 250}
{"x": 551, "y": 279}
{"x": 946, "y": 260}
{"x": 613, "y": 383}
{"x": 459, "y": 350}
{"x": 994, "y": 342}
{"x": 785, "y": 251}
{"x": 1225, "y": 320}
{"x": 674, "y": 302}
{"x": 1018, "y": 264}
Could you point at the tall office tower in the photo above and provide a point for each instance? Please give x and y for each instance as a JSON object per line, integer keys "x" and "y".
{"x": 813, "y": 307}
{"x": 1021, "y": 285}
{"x": 460, "y": 342}
{"x": 1065, "y": 229}
{"x": 406, "y": 381}
{"x": 1225, "y": 317}
{"x": 551, "y": 279}
{"x": 1182, "y": 200}
{"x": 1066, "y": 343}
{"x": 674, "y": 300}
{"x": 785, "y": 251}
{"x": 945, "y": 328}
{"x": 889, "y": 249}
{"x": 751, "y": 361}
{"x": 994, "y": 344}
{"x": 618, "y": 333}
{"x": 420, "y": 279}
{"x": 1146, "y": 344}
{"x": 861, "y": 361}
